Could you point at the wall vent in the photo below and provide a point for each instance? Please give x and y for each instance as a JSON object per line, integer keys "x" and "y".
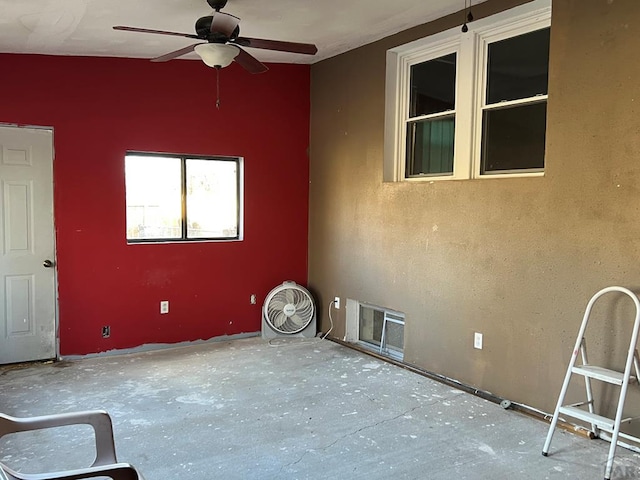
{"x": 376, "y": 328}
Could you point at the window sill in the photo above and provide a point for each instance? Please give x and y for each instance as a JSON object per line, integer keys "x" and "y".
{"x": 185, "y": 242}
{"x": 451, "y": 178}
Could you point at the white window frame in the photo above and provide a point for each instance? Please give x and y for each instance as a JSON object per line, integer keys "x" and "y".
{"x": 443, "y": 48}
{"x": 471, "y": 50}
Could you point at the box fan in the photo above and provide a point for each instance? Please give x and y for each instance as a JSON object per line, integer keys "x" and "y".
{"x": 288, "y": 311}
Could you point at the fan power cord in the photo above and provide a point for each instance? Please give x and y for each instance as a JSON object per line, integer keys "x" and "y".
{"x": 331, "y": 304}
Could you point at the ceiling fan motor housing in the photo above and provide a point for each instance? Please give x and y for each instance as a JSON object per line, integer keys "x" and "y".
{"x": 217, "y": 5}
{"x": 203, "y": 31}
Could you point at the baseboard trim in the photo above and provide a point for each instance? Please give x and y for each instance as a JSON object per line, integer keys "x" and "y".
{"x": 150, "y": 347}
{"x": 518, "y": 407}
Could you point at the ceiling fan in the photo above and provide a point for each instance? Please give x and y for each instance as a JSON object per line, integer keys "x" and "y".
{"x": 223, "y": 42}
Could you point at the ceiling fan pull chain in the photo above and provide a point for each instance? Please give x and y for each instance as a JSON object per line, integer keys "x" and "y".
{"x": 465, "y": 29}
{"x": 218, "y": 87}
{"x": 468, "y": 16}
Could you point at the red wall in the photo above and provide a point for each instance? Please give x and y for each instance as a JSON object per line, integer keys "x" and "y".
{"x": 102, "y": 107}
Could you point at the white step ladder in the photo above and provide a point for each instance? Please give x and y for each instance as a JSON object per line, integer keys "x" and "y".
{"x": 599, "y": 423}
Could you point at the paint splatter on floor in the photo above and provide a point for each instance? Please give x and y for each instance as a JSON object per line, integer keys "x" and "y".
{"x": 294, "y": 410}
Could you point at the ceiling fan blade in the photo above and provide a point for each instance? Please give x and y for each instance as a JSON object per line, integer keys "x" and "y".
{"x": 175, "y": 54}
{"x": 293, "y": 47}
{"x": 224, "y": 23}
{"x": 249, "y": 62}
{"x": 146, "y": 30}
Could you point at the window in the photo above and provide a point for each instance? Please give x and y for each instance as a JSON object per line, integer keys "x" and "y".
{"x": 381, "y": 330}
{"x": 470, "y": 105}
{"x": 514, "y": 113}
{"x": 431, "y": 122}
{"x": 182, "y": 198}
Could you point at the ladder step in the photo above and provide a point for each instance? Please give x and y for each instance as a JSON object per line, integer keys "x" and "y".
{"x": 599, "y": 424}
{"x": 599, "y": 373}
{"x": 600, "y": 421}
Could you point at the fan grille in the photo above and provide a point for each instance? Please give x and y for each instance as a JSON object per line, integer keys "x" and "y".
{"x": 289, "y": 309}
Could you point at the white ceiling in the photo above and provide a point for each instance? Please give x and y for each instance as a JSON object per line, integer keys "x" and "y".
{"x": 83, "y": 27}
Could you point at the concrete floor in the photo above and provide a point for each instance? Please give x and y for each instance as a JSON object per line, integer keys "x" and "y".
{"x": 312, "y": 409}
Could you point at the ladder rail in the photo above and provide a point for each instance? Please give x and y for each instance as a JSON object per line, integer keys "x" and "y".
{"x": 625, "y": 383}
{"x": 587, "y": 384}
{"x": 631, "y": 362}
{"x": 572, "y": 362}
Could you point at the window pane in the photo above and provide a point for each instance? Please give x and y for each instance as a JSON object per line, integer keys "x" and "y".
{"x": 394, "y": 336}
{"x": 430, "y": 147}
{"x": 212, "y": 199}
{"x": 513, "y": 138}
{"x": 518, "y": 67}
{"x": 153, "y": 197}
{"x": 433, "y": 86}
{"x": 370, "y": 327}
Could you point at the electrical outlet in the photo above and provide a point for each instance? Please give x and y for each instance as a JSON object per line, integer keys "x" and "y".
{"x": 253, "y": 299}
{"x": 336, "y": 302}
{"x": 164, "y": 306}
{"x": 106, "y": 331}
{"x": 477, "y": 341}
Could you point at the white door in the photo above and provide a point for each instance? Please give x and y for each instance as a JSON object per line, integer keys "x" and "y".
{"x": 27, "y": 272}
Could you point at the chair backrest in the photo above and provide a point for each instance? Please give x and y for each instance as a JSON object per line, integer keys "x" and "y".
{"x": 105, "y": 463}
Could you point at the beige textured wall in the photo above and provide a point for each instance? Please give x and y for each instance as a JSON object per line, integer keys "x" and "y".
{"x": 515, "y": 259}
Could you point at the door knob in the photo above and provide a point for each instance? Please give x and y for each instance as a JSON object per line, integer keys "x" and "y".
{"x": 47, "y": 263}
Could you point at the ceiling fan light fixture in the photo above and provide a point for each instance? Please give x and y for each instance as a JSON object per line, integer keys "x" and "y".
{"x": 217, "y": 55}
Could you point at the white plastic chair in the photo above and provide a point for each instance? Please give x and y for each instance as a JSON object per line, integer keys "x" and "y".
{"x": 105, "y": 463}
